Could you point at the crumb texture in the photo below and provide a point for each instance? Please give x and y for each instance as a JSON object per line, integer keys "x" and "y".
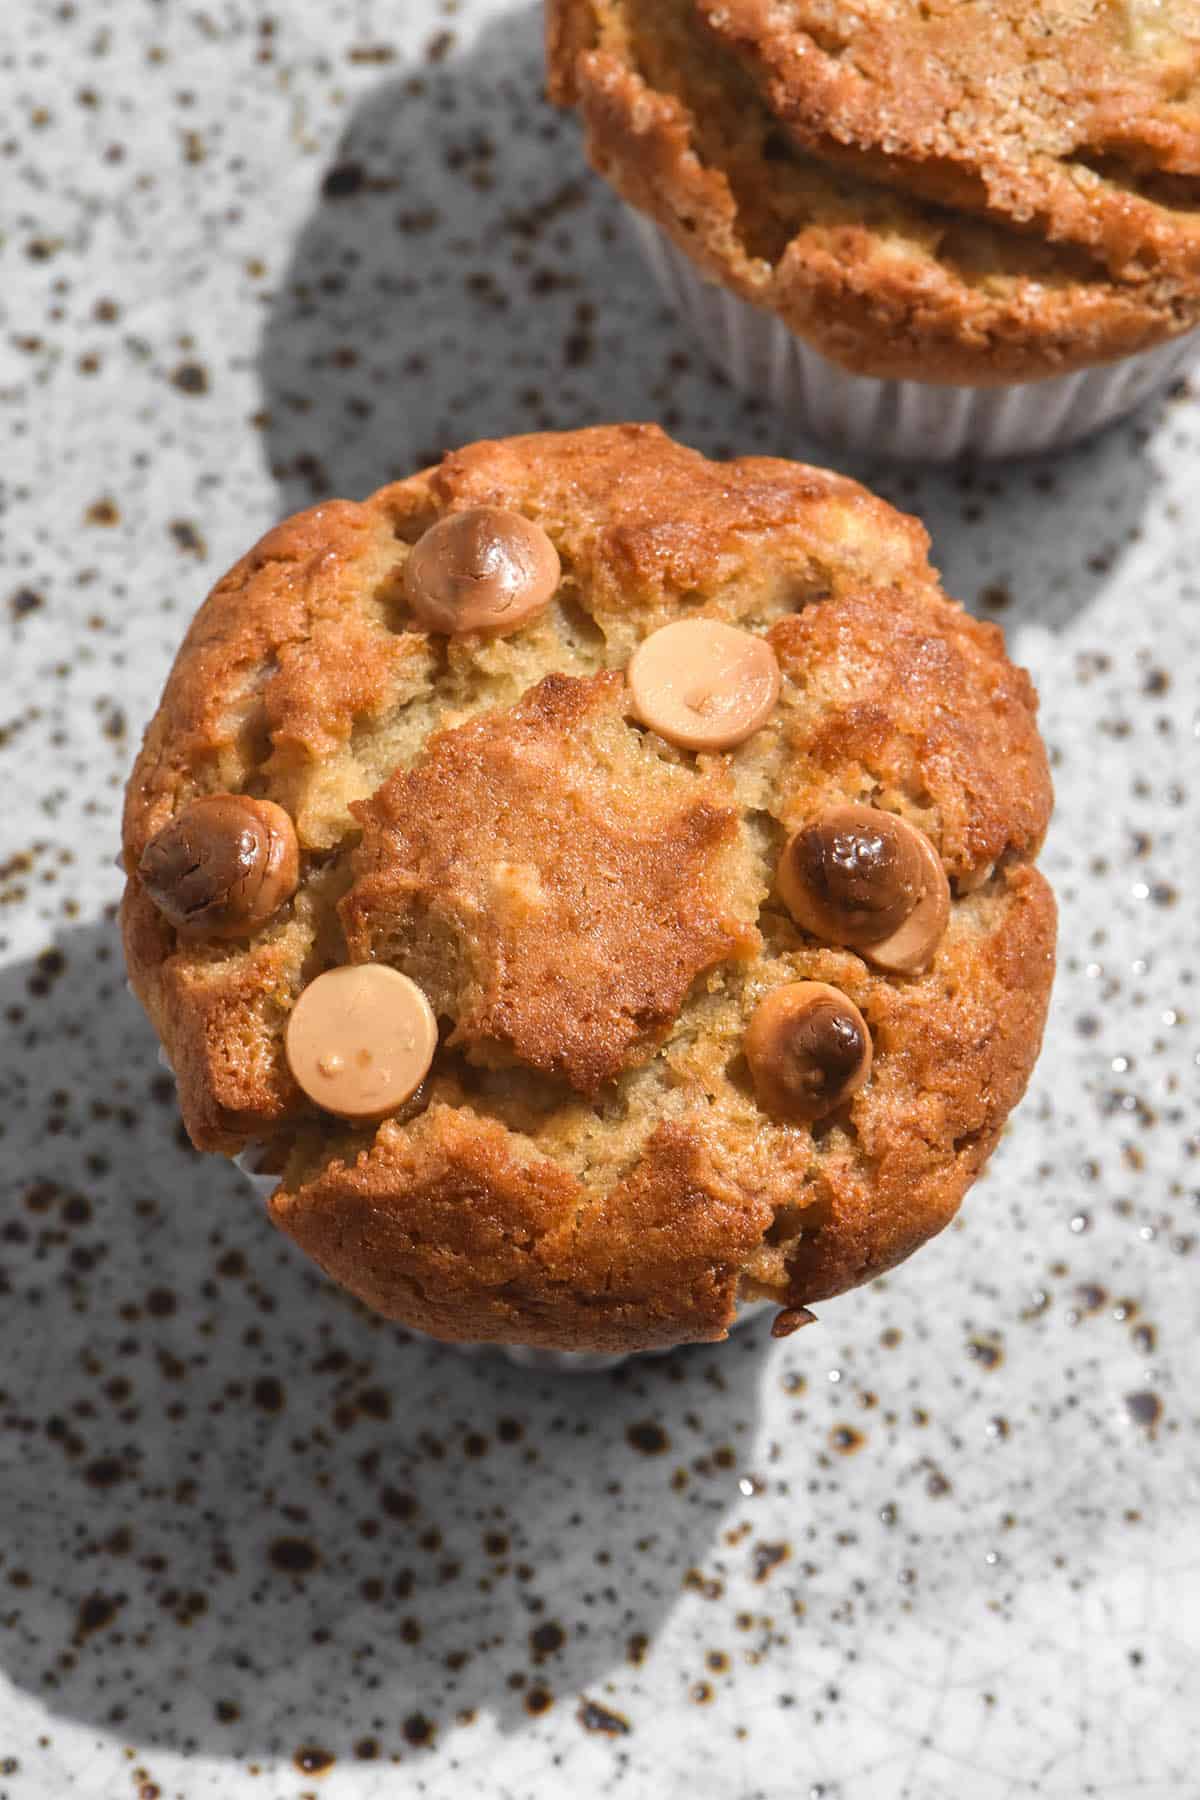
{"x": 592, "y": 912}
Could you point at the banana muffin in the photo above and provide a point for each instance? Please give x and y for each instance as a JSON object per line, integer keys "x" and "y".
{"x": 597, "y": 883}
{"x": 918, "y": 201}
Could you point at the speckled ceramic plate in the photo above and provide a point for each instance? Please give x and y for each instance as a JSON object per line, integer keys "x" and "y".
{"x": 256, "y": 1545}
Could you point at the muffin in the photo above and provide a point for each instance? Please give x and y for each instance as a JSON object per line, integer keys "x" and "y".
{"x": 595, "y": 887}
{"x": 921, "y": 229}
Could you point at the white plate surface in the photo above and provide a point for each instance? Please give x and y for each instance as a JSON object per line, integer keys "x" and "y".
{"x": 943, "y": 1543}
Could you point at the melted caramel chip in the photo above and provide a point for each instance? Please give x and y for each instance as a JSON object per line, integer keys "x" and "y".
{"x": 481, "y": 570}
{"x": 867, "y": 878}
{"x": 704, "y": 685}
{"x": 360, "y": 1040}
{"x": 222, "y": 866}
{"x": 809, "y": 1050}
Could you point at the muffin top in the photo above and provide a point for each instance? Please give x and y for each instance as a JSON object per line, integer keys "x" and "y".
{"x": 961, "y": 190}
{"x": 597, "y": 882}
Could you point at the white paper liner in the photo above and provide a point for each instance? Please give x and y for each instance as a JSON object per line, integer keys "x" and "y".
{"x": 908, "y": 420}
{"x": 579, "y": 1362}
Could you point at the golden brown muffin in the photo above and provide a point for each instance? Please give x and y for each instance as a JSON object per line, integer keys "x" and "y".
{"x": 592, "y": 911}
{"x": 968, "y": 191}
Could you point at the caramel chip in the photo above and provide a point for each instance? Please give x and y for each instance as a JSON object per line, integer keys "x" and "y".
{"x": 481, "y": 570}
{"x": 867, "y": 878}
{"x": 360, "y": 1040}
{"x": 808, "y": 1048}
{"x": 704, "y": 685}
{"x": 222, "y": 866}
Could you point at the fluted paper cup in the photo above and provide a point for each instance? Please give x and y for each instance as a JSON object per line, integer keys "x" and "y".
{"x": 918, "y": 421}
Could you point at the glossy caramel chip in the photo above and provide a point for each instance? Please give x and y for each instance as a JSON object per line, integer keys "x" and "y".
{"x": 223, "y": 866}
{"x": 863, "y": 877}
{"x": 484, "y": 569}
{"x": 809, "y": 1050}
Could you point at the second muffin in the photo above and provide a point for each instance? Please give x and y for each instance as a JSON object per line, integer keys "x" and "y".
{"x": 918, "y": 229}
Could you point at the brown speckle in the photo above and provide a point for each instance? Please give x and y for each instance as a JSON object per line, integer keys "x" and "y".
{"x": 594, "y": 1717}
{"x": 649, "y": 1438}
{"x": 188, "y": 538}
{"x": 96, "y": 1613}
{"x": 547, "y": 1638}
{"x": 105, "y": 1472}
{"x": 293, "y": 1555}
{"x": 311, "y": 1759}
{"x": 767, "y": 1557}
{"x": 25, "y": 601}
{"x": 1145, "y": 1409}
{"x": 1090, "y": 1297}
{"x": 190, "y": 378}
{"x": 343, "y": 180}
{"x": 988, "y": 1352}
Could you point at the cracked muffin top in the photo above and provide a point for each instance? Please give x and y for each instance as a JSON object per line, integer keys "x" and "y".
{"x": 960, "y": 190}
{"x": 597, "y": 883}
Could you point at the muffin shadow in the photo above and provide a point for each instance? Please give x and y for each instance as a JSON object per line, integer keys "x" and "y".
{"x": 462, "y": 258}
{"x": 463, "y": 275}
{"x": 1032, "y": 543}
{"x": 246, "y": 1518}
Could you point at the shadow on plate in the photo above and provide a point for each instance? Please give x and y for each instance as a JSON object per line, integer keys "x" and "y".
{"x": 241, "y": 1516}
{"x": 464, "y": 275}
{"x": 1032, "y": 543}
